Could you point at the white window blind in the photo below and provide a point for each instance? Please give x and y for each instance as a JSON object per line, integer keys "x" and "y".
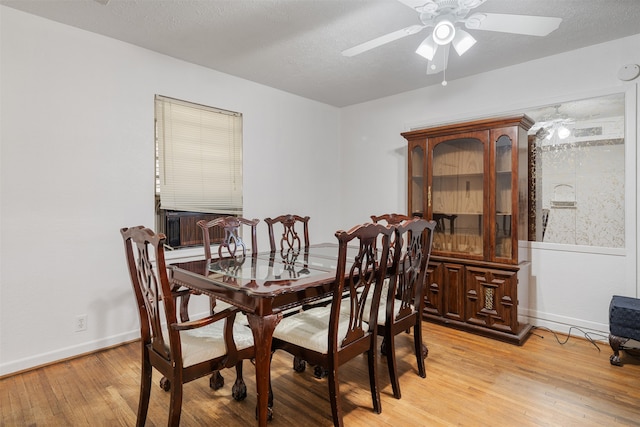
{"x": 199, "y": 157}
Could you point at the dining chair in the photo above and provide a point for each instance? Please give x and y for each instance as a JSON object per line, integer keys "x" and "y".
{"x": 391, "y": 219}
{"x": 330, "y": 336}
{"x": 232, "y": 241}
{"x": 180, "y": 351}
{"x": 402, "y": 300}
{"x": 289, "y": 239}
{"x": 230, "y": 245}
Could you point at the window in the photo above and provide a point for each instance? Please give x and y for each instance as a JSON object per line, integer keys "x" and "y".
{"x": 198, "y": 167}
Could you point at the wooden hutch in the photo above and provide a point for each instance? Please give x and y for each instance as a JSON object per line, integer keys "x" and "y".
{"x": 472, "y": 179}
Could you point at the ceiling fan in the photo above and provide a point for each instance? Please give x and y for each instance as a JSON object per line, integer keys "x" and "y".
{"x": 445, "y": 18}
{"x": 553, "y": 124}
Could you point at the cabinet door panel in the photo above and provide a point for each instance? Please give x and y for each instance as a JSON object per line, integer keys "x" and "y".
{"x": 456, "y": 193}
{"x": 491, "y": 299}
{"x": 433, "y": 289}
{"x": 417, "y": 183}
{"x": 453, "y": 291}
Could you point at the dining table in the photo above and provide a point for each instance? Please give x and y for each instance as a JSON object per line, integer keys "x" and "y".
{"x": 264, "y": 286}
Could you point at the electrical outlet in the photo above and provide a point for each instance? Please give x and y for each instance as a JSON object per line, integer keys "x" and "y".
{"x": 81, "y": 322}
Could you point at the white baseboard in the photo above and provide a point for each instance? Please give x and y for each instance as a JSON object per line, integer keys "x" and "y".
{"x": 566, "y": 325}
{"x": 37, "y": 360}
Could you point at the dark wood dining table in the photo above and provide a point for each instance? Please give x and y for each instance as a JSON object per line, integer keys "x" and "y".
{"x": 263, "y": 286}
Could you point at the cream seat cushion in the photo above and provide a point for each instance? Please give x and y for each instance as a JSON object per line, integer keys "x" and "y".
{"x": 310, "y": 328}
{"x": 201, "y": 344}
{"x": 382, "y": 309}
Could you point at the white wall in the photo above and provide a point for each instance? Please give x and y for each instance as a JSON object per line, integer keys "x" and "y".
{"x": 76, "y": 159}
{"x": 569, "y": 285}
{"x": 77, "y": 165}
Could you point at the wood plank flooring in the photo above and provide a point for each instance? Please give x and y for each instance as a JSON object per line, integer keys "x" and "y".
{"x": 471, "y": 381}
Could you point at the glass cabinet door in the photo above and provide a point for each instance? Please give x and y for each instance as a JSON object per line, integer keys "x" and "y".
{"x": 456, "y": 195}
{"x": 416, "y": 181}
{"x": 503, "y": 191}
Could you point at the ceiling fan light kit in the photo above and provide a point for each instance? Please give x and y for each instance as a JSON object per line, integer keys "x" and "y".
{"x": 427, "y": 48}
{"x": 443, "y": 15}
{"x": 444, "y": 32}
{"x": 463, "y": 41}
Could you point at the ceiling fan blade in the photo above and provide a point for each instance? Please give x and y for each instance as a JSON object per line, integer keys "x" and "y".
{"x": 413, "y": 4}
{"x": 379, "y": 41}
{"x": 517, "y": 24}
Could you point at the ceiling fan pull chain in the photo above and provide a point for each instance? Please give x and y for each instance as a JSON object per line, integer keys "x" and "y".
{"x": 444, "y": 71}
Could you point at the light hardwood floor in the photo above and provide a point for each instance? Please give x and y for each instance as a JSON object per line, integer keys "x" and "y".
{"x": 471, "y": 381}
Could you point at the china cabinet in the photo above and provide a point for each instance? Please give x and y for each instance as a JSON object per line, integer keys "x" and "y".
{"x": 472, "y": 179}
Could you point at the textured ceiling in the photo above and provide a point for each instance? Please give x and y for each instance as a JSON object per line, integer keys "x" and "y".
{"x": 295, "y": 45}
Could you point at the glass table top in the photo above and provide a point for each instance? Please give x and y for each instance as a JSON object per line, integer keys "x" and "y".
{"x": 281, "y": 266}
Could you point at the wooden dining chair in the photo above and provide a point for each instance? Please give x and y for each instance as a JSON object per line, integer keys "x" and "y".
{"x": 231, "y": 244}
{"x": 402, "y": 301}
{"x": 180, "y": 351}
{"x": 288, "y": 237}
{"x": 332, "y": 335}
{"x": 391, "y": 219}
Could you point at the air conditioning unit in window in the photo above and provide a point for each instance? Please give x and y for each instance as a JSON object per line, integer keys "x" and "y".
{"x": 182, "y": 229}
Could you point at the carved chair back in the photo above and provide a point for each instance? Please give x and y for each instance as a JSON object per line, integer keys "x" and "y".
{"x": 391, "y": 219}
{"x": 145, "y": 258}
{"x": 361, "y": 281}
{"x": 289, "y": 239}
{"x": 232, "y": 244}
{"x": 410, "y": 267}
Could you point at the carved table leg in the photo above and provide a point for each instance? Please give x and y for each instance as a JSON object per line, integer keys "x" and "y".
{"x": 262, "y": 328}
{"x": 616, "y": 344}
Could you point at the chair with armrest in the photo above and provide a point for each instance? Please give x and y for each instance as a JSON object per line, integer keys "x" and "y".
{"x": 231, "y": 245}
{"x": 289, "y": 239}
{"x": 330, "y": 336}
{"x": 180, "y": 351}
{"x": 402, "y": 301}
